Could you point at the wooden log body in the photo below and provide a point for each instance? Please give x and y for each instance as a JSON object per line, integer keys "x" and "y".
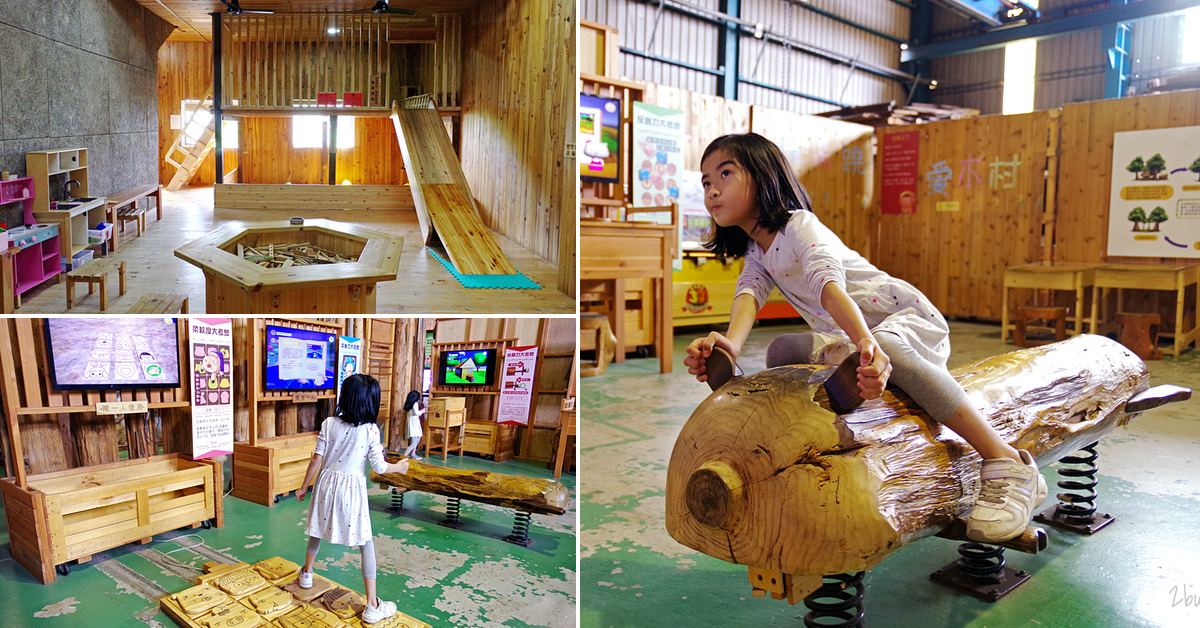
{"x": 536, "y": 495}
{"x": 764, "y": 474}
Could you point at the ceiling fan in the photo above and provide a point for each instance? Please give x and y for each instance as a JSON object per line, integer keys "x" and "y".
{"x": 234, "y": 7}
{"x": 381, "y": 7}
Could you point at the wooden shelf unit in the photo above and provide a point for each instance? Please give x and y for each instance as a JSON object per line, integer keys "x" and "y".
{"x": 71, "y": 514}
{"x": 41, "y": 165}
{"x": 484, "y": 437}
{"x": 265, "y": 468}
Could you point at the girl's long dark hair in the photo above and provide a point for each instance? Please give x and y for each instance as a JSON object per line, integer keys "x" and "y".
{"x": 358, "y": 402}
{"x": 775, "y": 186}
{"x": 411, "y": 400}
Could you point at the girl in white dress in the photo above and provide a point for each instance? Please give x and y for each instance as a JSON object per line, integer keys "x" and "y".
{"x": 338, "y": 512}
{"x": 412, "y": 406}
{"x": 761, "y": 213}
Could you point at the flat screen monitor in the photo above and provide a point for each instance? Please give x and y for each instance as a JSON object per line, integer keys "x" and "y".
{"x": 471, "y": 367}
{"x": 113, "y": 353}
{"x": 599, "y": 138}
{"x": 300, "y": 359}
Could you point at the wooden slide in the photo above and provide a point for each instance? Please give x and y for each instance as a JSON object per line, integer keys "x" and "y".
{"x": 445, "y": 207}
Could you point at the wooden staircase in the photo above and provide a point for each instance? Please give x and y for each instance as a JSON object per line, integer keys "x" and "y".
{"x": 187, "y": 160}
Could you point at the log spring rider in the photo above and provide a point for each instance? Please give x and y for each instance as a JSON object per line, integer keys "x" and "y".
{"x": 765, "y": 475}
{"x": 526, "y": 495}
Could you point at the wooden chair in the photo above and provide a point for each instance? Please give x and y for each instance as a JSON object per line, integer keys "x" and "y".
{"x": 1025, "y": 314}
{"x": 92, "y": 273}
{"x": 567, "y": 420}
{"x": 605, "y": 343}
{"x": 1139, "y": 334}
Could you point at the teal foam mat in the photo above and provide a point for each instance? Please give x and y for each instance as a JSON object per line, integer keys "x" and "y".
{"x": 487, "y": 281}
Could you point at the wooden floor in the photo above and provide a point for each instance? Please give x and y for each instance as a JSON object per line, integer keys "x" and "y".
{"x": 423, "y": 286}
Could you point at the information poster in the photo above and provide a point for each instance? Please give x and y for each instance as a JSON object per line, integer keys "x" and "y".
{"x": 349, "y": 359}
{"x": 211, "y": 345}
{"x": 657, "y": 155}
{"x": 1154, "y": 204}
{"x": 516, "y": 385}
{"x": 898, "y": 165}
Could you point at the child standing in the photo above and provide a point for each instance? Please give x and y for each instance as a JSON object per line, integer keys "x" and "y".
{"x": 412, "y": 405}
{"x": 338, "y": 511}
{"x": 761, "y": 212}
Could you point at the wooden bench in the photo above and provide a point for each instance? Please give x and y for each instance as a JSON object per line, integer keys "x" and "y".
{"x": 123, "y": 207}
{"x": 160, "y": 303}
{"x": 92, "y": 273}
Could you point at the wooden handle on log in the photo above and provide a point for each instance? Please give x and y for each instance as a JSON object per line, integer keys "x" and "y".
{"x": 764, "y": 474}
{"x": 536, "y": 495}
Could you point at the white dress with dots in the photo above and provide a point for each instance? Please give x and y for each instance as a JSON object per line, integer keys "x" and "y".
{"x": 806, "y": 255}
{"x": 338, "y": 511}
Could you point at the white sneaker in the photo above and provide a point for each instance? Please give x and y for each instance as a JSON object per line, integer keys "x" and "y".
{"x": 372, "y": 614}
{"x": 306, "y": 579}
{"x": 416, "y": 457}
{"x": 1010, "y": 491}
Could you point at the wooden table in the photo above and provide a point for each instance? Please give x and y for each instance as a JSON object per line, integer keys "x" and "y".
{"x": 1148, "y": 277}
{"x": 114, "y": 203}
{"x": 624, "y": 250}
{"x": 1075, "y": 277}
{"x": 238, "y": 286}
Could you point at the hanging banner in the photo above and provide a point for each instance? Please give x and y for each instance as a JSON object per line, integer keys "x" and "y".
{"x": 211, "y": 341}
{"x": 898, "y": 172}
{"x": 349, "y": 359}
{"x": 657, "y": 155}
{"x": 516, "y": 385}
{"x": 1154, "y": 205}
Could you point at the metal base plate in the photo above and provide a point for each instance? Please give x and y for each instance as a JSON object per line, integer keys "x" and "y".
{"x": 516, "y": 540}
{"x": 1050, "y": 516}
{"x": 952, "y": 576}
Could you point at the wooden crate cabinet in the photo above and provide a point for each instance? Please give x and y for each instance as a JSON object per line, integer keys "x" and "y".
{"x": 445, "y": 414}
{"x": 479, "y": 437}
{"x": 73, "y": 514}
{"x": 272, "y": 467}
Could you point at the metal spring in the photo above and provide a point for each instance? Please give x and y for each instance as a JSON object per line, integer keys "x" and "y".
{"x": 397, "y": 500}
{"x": 981, "y": 562}
{"x": 1078, "y": 506}
{"x": 520, "y": 531}
{"x": 846, "y": 609}
{"x": 453, "y": 507}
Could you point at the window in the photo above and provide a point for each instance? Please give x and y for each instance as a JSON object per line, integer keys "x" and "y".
{"x": 1020, "y": 61}
{"x": 309, "y": 132}
{"x": 1189, "y": 52}
{"x": 195, "y": 129}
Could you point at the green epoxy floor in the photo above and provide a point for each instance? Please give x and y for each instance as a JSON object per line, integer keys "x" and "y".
{"x": 1143, "y": 570}
{"x": 465, "y": 577}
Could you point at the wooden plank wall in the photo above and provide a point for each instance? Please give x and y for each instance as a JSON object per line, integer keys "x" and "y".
{"x": 518, "y": 96}
{"x": 816, "y": 148}
{"x": 705, "y": 118}
{"x": 268, "y": 156}
{"x": 957, "y": 258}
{"x": 184, "y": 72}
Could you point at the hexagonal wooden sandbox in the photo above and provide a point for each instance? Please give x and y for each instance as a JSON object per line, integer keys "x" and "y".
{"x": 238, "y": 286}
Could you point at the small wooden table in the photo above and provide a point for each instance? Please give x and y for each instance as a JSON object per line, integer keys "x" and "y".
{"x": 92, "y": 273}
{"x": 1148, "y": 277}
{"x": 114, "y": 203}
{"x": 160, "y": 303}
{"x": 1060, "y": 276}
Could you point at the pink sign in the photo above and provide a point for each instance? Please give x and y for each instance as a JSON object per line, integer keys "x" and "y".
{"x": 898, "y": 172}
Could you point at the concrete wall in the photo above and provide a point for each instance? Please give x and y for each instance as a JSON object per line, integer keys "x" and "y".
{"x": 81, "y": 73}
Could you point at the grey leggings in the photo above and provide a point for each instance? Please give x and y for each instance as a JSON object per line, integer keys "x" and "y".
{"x": 368, "y": 555}
{"x": 930, "y": 385}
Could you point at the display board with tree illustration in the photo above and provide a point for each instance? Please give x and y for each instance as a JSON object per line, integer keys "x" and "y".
{"x": 1156, "y": 211}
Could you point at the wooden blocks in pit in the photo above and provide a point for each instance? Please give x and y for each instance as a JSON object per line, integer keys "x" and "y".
{"x": 268, "y": 594}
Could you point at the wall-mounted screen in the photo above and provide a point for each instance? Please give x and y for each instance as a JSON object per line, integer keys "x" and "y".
{"x": 300, "y": 359}
{"x": 472, "y": 367}
{"x": 599, "y": 138}
{"x": 113, "y": 353}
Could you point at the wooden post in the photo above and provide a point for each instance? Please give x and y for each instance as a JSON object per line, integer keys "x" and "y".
{"x": 765, "y": 475}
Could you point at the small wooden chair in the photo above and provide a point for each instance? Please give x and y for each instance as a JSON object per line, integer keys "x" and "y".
{"x": 605, "y": 345}
{"x": 1139, "y": 334}
{"x": 92, "y": 273}
{"x": 1046, "y": 314}
{"x": 160, "y": 303}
